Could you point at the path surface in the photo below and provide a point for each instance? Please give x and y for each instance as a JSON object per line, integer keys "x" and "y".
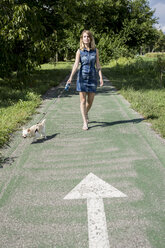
{"x": 119, "y": 151}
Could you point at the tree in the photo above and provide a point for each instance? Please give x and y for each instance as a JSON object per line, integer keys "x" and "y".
{"x": 32, "y": 31}
{"x": 24, "y": 42}
{"x": 120, "y": 27}
{"x": 159, "y": 45}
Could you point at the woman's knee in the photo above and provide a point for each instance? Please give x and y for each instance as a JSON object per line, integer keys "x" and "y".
{"x": 90, "y": 98}
{"x": 89, "y": 101}
{"x": 82, "y": 98}
{"x": 83, "y": 101}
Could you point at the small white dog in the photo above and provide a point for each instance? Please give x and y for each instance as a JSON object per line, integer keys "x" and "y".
{"x": 35, "y": 131}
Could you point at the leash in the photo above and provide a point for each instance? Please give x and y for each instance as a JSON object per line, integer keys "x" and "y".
{"x": 66, "y": 88}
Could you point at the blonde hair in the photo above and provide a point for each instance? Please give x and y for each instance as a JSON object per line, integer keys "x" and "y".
{"x": 92, "y": 41}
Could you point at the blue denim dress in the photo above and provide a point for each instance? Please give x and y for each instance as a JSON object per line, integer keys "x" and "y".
{"x": 87, "y": 75}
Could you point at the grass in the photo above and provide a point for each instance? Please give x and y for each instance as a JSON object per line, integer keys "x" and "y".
{"x": 17, "y": 105}
{"x": 138, "y": 81}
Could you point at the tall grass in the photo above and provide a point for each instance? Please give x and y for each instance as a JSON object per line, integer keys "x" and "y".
{"x": 138, "y": 81}
{"x": 18, "y": 104}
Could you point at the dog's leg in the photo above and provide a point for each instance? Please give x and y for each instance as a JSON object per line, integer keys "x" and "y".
{"x": 43, "y": 133}
{"x": 37, "y": 135}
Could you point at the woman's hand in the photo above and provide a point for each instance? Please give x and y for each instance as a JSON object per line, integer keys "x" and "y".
{"x": 67, "y": 85}
{"x": 69, "y": 81}
{"x": 101, "y": 82}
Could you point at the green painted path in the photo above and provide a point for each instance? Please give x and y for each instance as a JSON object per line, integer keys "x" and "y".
{"x": 119, "y": 148}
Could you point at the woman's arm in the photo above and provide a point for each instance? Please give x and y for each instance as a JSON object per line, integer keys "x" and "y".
{"x": 99, "y": 67}
{"x": 75, "y": 66}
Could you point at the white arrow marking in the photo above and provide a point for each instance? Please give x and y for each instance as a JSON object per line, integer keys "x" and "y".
{"x": 94, "y": 189}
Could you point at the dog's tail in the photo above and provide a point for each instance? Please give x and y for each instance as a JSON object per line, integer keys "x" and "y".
{"x": 43, "y": 121}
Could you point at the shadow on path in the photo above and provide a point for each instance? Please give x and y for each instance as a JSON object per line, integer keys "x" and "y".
{"x": 47, "y": 138}
{"x": 107, "y": 124}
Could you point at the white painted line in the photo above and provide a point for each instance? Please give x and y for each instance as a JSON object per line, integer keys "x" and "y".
{"x": 94, "y": 189}
{"x": 97, "y": 226}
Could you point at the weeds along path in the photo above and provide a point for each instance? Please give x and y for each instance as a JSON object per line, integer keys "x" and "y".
{"x": 48, "y": 187}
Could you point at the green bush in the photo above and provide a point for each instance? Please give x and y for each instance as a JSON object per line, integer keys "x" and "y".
{"x": 113, "y": 47}
{"x": 154, "y": 55}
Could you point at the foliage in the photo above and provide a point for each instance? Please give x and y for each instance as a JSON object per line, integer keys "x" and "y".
{"x": 13, "y": 115}
{"x": 113, "y": 46}
{"x": 159, "y": 45}
{"x": 120, "y": 27}
{"x": 154, "y": 55}
{"x": 141, "y": 72}
{"x": 23, "y": 44}
{"x": 151, "y": 104}
{"x": 137, "y": 79}
{"x": 138, "y": 26}
{"x": 32, "y": 31}
{"x": 160, "y": 68}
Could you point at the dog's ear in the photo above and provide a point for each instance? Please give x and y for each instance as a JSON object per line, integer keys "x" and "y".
{"x": 28, "y": 130}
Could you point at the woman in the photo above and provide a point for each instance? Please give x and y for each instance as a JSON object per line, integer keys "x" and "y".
{"x": 88, "y": 56}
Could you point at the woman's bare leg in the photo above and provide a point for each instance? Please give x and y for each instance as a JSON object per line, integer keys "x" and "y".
{"x": 83, "y": 109}
{"x": 89, "y": 102}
